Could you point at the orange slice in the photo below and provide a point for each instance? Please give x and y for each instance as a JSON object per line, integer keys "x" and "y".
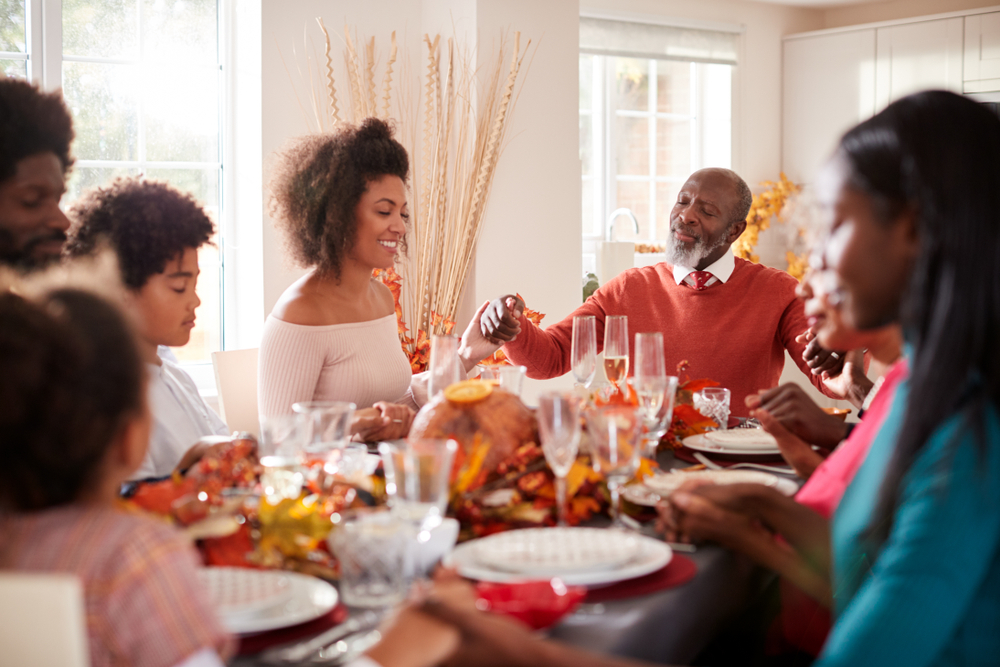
{"x": 468, "y": 391}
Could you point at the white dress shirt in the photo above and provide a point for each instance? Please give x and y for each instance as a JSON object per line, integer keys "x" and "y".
{"x": 180, "y": 417}
{"x": 721, "y": 269}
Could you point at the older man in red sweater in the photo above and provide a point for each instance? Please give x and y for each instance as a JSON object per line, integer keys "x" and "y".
{"x": 730, "y": 319}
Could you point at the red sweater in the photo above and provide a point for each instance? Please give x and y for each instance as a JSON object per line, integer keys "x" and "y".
{"x": 735, "y": 333}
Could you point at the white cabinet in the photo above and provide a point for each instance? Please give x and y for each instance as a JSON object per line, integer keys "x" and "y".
{"x": 828, "y": 87}
{"x": 982, "y": 53}
{"x": 918, "y": 56}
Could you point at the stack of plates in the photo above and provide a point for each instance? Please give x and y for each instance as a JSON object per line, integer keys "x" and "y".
{"x": 738, "y": 441}
{"x": 248, "y": 601}
{"x": 577, "y": 556}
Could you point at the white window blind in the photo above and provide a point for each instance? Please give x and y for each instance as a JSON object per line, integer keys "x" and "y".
{"x": 662, "y": 42}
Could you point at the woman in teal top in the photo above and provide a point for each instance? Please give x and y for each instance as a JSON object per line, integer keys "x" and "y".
{"x": 913, "y": 196}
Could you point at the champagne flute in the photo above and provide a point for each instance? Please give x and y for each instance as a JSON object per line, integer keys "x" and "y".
{"x": 559, "y": 427}
{"x": 616, "y": 349}
{"x": 445, "y": 367}
{"x": 584, "y": 349}
{"x": 615, "y": 454}
{"x": 649, "y": 378}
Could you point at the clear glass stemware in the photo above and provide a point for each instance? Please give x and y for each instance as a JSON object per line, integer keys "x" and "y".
{"x": 616, "y": 349}
{"x": 584, "y": 353}
{"x": 614, "y": 450}
{"x": 559, "y": 428}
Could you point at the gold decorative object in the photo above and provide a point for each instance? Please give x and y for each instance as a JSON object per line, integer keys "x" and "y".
{"x": 766, "y": 206}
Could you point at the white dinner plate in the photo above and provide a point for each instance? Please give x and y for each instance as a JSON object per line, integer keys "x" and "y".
{"x": 750, "y": 439}
{"x": 248, "y": 601}
{"x": 650, "y": 556}
{"x": 552, "y": 552}
{"x": 663, "y": 484}
{"x": 700, "y": 443}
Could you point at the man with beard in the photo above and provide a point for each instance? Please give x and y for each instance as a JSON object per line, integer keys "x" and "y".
{"x": 35, "y": 136}
{"x": 731, "y": 320}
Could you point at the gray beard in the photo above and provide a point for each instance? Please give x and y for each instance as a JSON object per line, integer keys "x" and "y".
{"x": 678, "y": 255}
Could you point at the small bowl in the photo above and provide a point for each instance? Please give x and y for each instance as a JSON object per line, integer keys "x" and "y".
{"x": 540, "y": 604}
{"x": 838, "y": 412}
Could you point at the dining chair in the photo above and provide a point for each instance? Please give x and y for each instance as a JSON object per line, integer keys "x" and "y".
{"x": 236, "y": 380}
{"x": 42, "y": 620}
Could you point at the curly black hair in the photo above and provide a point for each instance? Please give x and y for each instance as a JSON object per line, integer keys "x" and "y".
{"x": 32, "y": 122}
{"x": 72, "y": 377}
{"x": 147, "y": 223}
{"x": 318, "y": 182}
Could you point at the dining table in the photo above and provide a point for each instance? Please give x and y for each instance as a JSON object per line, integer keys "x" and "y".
{"x": 669, "y": 626}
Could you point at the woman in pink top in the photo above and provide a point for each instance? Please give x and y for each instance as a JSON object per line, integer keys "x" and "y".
{"x": 341, "y": 202}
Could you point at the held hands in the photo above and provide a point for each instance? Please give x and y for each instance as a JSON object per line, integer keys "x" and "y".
{"x": 797, "y": 452}
{"x": 822, "y": 361}
{"x": 702, "y": 511}
{"x": 382, "y": 421}
{"x": 500, "y": 321}
{"x": 475, "y": 345}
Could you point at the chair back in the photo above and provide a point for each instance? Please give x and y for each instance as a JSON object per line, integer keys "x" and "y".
{"x": 43, "y": 622}
{"x": 236, "y": 380}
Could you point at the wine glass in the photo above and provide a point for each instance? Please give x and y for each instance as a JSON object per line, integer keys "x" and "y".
{"x": 445, "y": 367}
{"x": 616, "y": 349}
{"x": 613, "y": 433}
{"x": 559, "y": 427}
{"x": 584, "y": 349}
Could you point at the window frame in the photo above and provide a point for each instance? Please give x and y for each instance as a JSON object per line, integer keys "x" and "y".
{"x": 44, "y": 57}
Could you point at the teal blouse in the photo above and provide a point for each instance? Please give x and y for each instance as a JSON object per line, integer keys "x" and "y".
{"x": 931, "y": 594}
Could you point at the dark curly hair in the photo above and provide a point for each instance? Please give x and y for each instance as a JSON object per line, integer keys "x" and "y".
{"x": 32, "y": 122}
{"x": 318, "y": 182}
{"x": 147, "y": 223}
{"x": 71, "y": 378}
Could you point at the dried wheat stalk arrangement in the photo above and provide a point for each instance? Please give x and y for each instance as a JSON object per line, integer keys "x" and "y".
{"x": 453, "y": 121}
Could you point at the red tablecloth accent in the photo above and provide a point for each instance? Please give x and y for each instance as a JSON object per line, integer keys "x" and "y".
{"x": 679, "y": 570}
{"x": 265, "y": 640}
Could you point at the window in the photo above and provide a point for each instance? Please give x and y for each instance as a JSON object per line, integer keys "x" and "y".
{"x": 143, "y": 80}
{"x": 655, "y": 105}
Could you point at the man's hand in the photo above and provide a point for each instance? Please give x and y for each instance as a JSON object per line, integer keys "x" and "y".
{"x": 475, "y": 345}
{"x": 789, "y": 405}
{"x": 821, "y": 361}
{"x": 851, "y": 384}
{"x": 500, "y": 321}
{"x": 695, "y": 517}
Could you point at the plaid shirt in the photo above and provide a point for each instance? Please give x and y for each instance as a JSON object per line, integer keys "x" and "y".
{"x": 141, "y": 591}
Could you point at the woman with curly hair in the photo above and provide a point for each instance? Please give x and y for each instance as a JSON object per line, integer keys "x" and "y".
{"x": 341, "y": 202}
{"x": 155, "y": 232}
{"x": 35, "y": 136}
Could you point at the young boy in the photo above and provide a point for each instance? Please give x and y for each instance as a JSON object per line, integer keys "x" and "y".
{"x": 156, "y": 232}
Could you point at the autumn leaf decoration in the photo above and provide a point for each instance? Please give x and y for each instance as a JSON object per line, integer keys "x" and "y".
{"x": 768, "y": 205}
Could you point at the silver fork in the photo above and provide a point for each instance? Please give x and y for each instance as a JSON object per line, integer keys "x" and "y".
{"x": 712, "y": 465}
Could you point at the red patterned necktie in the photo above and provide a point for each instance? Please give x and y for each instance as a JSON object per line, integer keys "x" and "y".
{"x": 701, "y": 279}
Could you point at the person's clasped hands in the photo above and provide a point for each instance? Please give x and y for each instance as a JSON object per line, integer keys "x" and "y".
{"x": 382, "y": 421}
{"x": 500, "y": 322}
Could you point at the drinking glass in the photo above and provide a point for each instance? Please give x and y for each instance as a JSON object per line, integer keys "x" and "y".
{"x": 445, "y": 366}
{"x": 614, "y": 450}
{"x": 325, "y": 426}
{"x": 416, "y": 479}
{"x": 616, "y": 349}
{"x": 559, "y": 428}
{"x": 650, "y": 377}
{"x": 584, "y": 353}
{"x": 280, "y": 452}
{"x": 512, "y": 378}
{"x": 372, "y": 548}
{"x": 713, "y": 402}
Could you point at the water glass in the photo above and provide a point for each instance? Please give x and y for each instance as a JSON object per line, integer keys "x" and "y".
{"x": 615, "y": 452}
{"x": 656, "y": 423}
{"x": 713, "y": 402}
{"x": 445, "y": 366}
{"x": 372, "y": 548}
{"x": 559, "y": 428}
{"x": 280, "y": 452}
{"x": 512, "y": 378}
{"x": 325, "y": 426}
{"x": 616, "y": 349}
{"x": 417, "y": 473}
{"x": 584, "y": 352}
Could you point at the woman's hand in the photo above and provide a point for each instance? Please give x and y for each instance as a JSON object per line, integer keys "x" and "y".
{"x": 415, "y": 639}
{"x": 695, "y": 518}
{"x": 475, "y": 345}
{"x": 796, "y": 451}
{"x": 791, "y": 406}
{"x": 383, "y": 421}
{"x": 500, "y": 320}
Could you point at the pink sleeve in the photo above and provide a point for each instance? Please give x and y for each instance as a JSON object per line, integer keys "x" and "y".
{"x": 289, "y": 364}
{"x": 156, "y": 607}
